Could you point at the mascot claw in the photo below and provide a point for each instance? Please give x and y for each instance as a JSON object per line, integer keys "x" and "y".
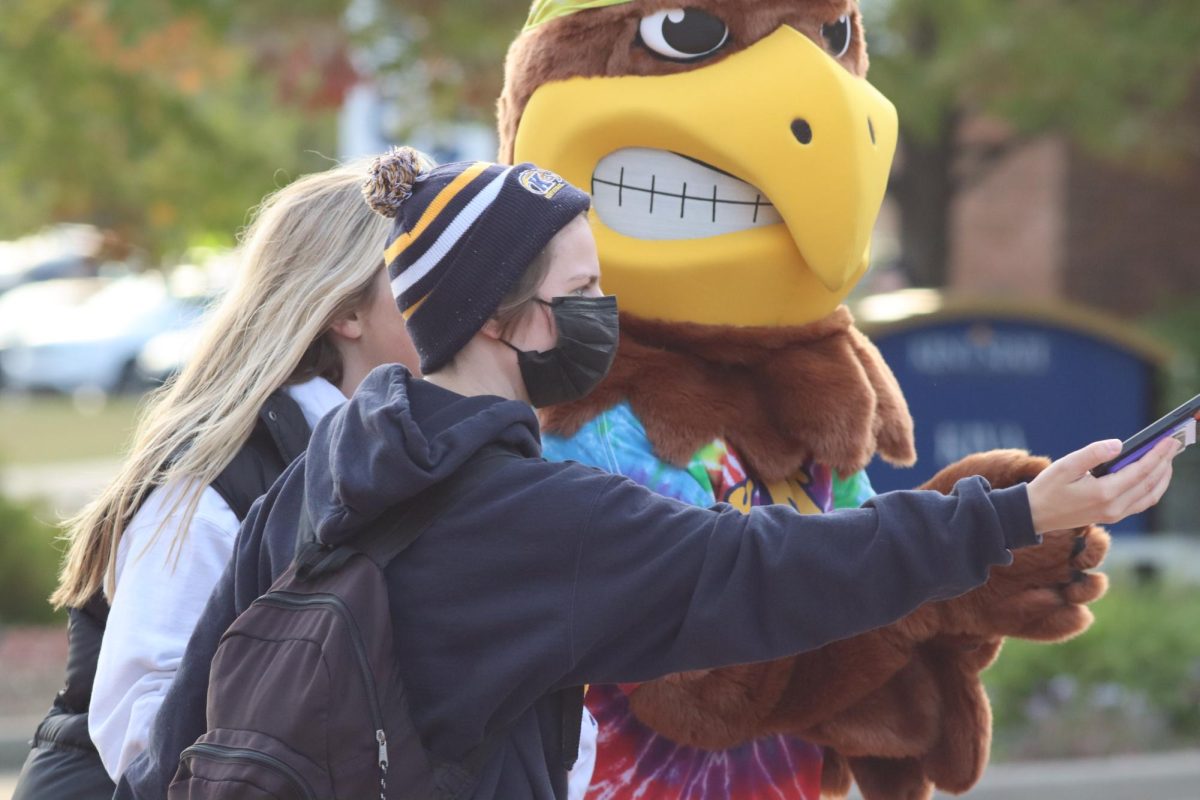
{"x": 1042, "y": 594}
{"x": 928, "y": 723}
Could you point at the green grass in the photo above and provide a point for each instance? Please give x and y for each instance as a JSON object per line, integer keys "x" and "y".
{"x": 29, "y": 558}
{"x": 50, "y": 429}
{"x": 1132, "y": 682}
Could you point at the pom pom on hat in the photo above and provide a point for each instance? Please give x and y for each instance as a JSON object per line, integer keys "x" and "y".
{"x": 391, "y": 177}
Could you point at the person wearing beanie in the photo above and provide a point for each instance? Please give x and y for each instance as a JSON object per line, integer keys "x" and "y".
{"x": 541, "y": 578}
{"x": 464, "y": 234}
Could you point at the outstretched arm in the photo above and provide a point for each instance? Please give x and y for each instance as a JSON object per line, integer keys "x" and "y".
{"x": 663, "y": 587}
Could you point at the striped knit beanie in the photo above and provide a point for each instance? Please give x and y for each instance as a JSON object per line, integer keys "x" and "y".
{"x": 464, "y": 234}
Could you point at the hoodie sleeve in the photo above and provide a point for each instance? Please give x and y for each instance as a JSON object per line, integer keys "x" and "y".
{"x": 663, "y": 587}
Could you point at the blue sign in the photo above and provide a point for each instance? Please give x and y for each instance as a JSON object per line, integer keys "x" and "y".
{"x": 990, "y": 381}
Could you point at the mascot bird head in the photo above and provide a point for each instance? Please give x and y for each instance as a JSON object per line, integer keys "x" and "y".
{"x": 736, "y": 155}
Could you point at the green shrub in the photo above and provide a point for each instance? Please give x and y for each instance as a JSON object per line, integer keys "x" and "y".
{"x": 29, "y": 558}
{"x": 1178, "y": 324}
{"x": 1131, "y": 682}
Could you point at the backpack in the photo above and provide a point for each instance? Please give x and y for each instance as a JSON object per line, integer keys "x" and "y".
{"x": 305, "y": 700}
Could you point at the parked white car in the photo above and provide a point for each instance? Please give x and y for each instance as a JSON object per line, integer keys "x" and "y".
{"x": 59, "y": 251}
{"x": 167, "y": 353}
{"x": 95, "y": 344}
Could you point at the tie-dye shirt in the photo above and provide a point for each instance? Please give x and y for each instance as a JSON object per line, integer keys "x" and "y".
{"x": 633, "y": 761}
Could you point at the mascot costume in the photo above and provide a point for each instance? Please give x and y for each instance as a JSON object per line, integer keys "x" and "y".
{"x": 737, "y": 159}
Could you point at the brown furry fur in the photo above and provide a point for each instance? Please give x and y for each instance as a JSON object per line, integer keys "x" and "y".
{"x": 901, "y": 708}
{"x": 836, "y": 778}
{"x": 779, "y": 396}
{"x": 1041, "y": 596}
{"x": 944, "y": 743}
{"x": 888, "y": 779}
{"x": 602, "y": 42}
{"x": 712, "y": 709}
{"x": 1050, "y": 579}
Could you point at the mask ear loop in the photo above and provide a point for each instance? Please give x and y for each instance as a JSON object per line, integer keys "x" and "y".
{"x": 518, "y": 350}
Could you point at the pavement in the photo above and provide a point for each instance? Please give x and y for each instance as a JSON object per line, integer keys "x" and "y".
{"x": 62, "y": 488}
{"x": 1164, "y": 776}
{"x": 1159, "y": 776}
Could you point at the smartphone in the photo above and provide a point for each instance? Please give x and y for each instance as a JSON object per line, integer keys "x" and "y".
{"x": 1180, "y": 423}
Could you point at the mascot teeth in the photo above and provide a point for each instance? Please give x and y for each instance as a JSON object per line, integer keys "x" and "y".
{"x": 656, "y": 195}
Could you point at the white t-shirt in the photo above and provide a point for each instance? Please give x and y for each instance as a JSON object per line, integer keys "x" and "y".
{"x": 158, "y": 601}
{"x": 159, "y": 598}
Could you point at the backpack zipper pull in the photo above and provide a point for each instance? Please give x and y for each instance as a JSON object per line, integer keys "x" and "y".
{"x": 381, "y": 737}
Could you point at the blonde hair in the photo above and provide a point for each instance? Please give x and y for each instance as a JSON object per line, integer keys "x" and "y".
{"x": 310, "y": 257}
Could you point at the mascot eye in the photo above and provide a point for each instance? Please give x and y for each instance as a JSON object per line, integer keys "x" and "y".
{"x": 837, "y": 35}
{"x": 683, "y": 34}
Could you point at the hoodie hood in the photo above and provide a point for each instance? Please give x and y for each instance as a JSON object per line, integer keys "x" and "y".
{"x": 396, "y": 437}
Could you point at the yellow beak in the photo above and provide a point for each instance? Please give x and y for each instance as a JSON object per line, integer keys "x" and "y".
{"x": 782, "y": 116}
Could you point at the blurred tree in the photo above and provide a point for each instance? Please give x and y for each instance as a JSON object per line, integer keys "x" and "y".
{"x": 459, "y": 47}
{"x": 165, "y": 120}
{"x": 160, "y": 120}
{"x": 1110, "y": 75}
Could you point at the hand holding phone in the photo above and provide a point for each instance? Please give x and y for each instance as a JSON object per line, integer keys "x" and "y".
{"x": 1067, "y": 494}
{"x": 1180, "y": 424}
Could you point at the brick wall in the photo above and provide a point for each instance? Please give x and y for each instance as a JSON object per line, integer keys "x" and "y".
{"x": 1049, "y": 221}
{"x": 1133, "y": 239}
{"x": 1008, "y": 229}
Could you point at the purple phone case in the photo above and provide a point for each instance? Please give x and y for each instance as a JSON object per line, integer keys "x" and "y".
{"x": 1146, "y": 448}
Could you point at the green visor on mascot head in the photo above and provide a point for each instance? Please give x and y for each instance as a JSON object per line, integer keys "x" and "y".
{"x": 736, "y": 156}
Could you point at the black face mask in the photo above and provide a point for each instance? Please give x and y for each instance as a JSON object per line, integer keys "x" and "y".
{"x": 587, "y": 344}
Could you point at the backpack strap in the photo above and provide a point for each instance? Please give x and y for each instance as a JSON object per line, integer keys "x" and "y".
{"x": 386, "y": 540}
{"x": 392, "y": 535}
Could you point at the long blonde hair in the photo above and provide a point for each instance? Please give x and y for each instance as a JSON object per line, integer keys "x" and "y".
{"x": 310, "y": 257}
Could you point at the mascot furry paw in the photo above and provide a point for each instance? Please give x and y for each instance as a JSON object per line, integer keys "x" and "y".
{"x": 912, "y": 713}
{"x": 1041, "y": 596}
{"x": 737, "y": 160}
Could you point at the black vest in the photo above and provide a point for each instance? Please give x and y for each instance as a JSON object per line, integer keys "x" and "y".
{"x": 279, "y": 436}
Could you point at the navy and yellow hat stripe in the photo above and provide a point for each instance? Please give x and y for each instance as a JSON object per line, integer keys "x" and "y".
{"x": 416, "y": 271}
{"x": 464, "y": 234}
{"x": 433, "y": 210}
{"x": 452, "y": 205}
{"x": 412, "y": 309}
